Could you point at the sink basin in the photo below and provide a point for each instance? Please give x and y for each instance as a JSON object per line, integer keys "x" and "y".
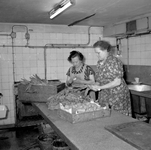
{"x": 140, "y": 88}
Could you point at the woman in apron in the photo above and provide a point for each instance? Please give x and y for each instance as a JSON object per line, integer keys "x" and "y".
{"x": 79, "y": 74}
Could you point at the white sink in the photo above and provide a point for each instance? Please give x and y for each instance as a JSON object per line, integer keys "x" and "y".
{"x": 3, "y": 110}
{"x": 140, "y": 88}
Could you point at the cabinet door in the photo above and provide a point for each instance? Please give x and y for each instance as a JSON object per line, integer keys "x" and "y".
{"x": 148, "y": 107}
{"x": 135, "y": 100}
{"x": 138, "y": 104}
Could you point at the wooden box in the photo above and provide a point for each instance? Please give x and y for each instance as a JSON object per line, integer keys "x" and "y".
{"x": 81, "y": 117}
{"x": 38, "y": 93}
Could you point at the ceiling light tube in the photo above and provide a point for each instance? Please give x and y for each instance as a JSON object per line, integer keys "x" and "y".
{"x": 59, "y": 8}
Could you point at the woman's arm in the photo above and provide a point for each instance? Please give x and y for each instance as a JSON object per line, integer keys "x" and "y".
{"x": 112, "y": 84}
{"x": 69, "y": 80}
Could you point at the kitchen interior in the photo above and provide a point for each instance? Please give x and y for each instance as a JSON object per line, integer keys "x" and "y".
{"x": 35, "y": 44}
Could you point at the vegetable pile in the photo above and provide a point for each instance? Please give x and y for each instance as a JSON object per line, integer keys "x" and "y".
{"x": 36, "y": 80}
{"x": 81, "y": 107}
{"x": 67, "y": 97}
{"x": 73, "y": 101}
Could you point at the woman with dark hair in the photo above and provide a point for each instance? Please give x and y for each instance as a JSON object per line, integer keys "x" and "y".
{"x": 109, "y": 79}
{"x": 79, "y": 73}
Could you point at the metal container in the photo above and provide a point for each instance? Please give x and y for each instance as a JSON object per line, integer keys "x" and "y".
{"x": 59, "y": 145}
{"x": 45, "y": 141}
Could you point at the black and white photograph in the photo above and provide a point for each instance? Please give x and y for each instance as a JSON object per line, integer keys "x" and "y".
{"x": 75, "y": 74}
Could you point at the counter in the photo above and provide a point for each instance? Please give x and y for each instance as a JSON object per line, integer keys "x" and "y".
{"x": 89, "y": 135}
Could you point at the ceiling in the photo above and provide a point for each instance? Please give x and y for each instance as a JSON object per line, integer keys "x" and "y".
{"x": 107, "y": 11}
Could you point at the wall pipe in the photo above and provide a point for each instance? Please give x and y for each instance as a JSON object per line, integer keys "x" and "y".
{"x": 44, "y": 46}
{"x": 65, "y": 46}
{"x": 27, "y": 36}
{"x": 13, "y": 35}
{"x": 45, "y": 63}
{"x": 20, "y": 26}
{"x": 5, "y": 34}
{"x": 13, "y": 57}
{"x": 127, "y": 54}
{"x": 72, "y": 45}
{"x": 120, "y": 38}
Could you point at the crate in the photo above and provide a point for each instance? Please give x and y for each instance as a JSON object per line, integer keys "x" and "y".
{"x": 38, "y": 93}
{"x": 81, "y": 117}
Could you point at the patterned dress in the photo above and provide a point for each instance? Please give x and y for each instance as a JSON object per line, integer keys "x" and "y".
{"x": 84, "y": 72}
{"x": 118, "y": 97}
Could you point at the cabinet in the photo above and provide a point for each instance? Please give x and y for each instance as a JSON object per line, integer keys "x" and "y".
{"x": 141, "y": 105}
{"x": 148, "y": 107}
{"x": 142, "y": 23}
{"x": 116, "y": 30}
{"x": 109, "y": 31}
{"x": 138, "y": 26}
{"x": 138, "y": 105}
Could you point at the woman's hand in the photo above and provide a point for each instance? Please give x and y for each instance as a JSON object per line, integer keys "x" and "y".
{"x": 95, "y": 87}
{"x": 69, "y": 81}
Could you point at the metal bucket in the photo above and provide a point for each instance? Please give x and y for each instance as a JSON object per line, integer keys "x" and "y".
{"x": 46, "y": 140}
{"x": 59, "y": 145}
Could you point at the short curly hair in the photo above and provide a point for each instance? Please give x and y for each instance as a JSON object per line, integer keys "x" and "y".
{"x": 76, "y": 54}
{"x": 104, "y": 45}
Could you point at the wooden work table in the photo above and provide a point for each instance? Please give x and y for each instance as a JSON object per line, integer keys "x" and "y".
{"x": 89, "y": 135}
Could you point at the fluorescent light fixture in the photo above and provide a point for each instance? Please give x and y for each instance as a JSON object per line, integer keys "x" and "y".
{"x": 60, "y": 7}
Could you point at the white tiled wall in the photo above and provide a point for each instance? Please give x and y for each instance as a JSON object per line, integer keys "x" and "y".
{"x": 31, "y": 61}
{"x": 139, "y": 50}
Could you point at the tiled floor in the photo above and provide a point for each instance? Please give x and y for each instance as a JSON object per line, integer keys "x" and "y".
{"x": 20, "y": 139}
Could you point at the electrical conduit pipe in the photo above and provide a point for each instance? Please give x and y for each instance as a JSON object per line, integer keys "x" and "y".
{"x": 64, "y": 46}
